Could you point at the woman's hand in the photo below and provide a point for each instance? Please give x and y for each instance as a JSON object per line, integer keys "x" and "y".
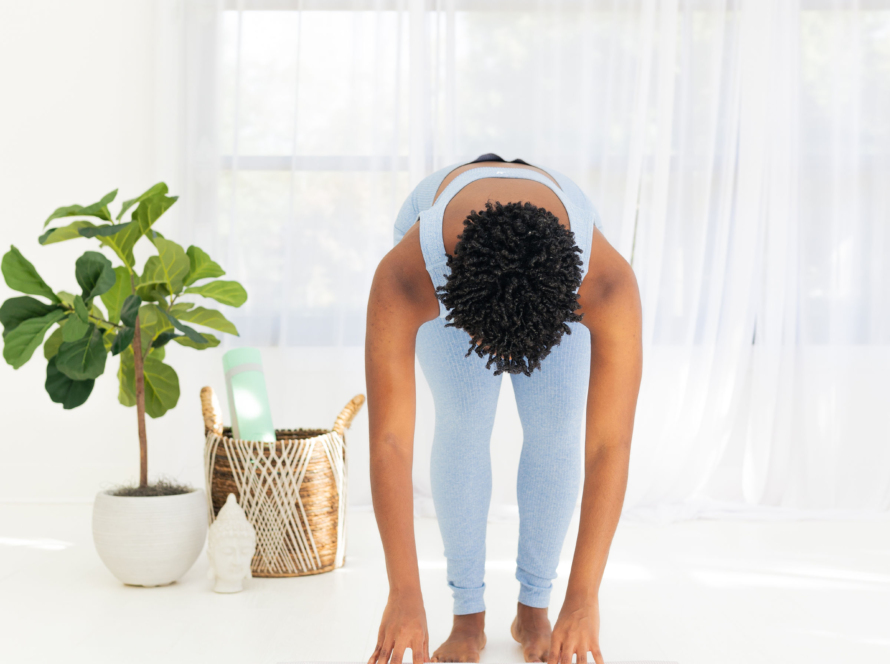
{"x": 403, "y": 626}
{"x": 576, "y": 632}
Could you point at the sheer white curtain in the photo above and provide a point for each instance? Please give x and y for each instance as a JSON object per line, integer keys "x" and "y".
{"x": 738, "y": 153}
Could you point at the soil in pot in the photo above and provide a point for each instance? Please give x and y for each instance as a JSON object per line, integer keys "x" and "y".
{"x": 159, "y": 488}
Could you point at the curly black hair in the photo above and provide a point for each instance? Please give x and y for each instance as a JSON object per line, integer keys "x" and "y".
{"x": 513, "y": 284}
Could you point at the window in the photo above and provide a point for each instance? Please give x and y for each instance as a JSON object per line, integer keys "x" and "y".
{"x": 330, "y": 114}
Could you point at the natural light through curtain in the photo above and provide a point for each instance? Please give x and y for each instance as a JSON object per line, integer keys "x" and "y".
{"x": 738, "y": 153}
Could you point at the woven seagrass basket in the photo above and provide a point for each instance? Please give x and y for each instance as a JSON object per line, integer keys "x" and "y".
{"x": 293, "y": 491}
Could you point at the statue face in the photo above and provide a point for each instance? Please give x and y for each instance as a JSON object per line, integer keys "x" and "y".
{"x": 231, "y": 558}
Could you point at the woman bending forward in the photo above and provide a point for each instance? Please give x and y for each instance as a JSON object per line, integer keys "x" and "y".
{"x": 500, "y": 267}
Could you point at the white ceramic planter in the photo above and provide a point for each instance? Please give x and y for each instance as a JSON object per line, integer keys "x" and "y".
{"x": 149, "y": 541}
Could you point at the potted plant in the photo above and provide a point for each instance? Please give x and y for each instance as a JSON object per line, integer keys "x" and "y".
{"x": 147, "y": 534}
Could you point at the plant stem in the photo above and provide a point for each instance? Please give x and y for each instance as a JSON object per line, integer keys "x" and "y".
{"x": 102, "y": 320}
{"x": 140, "y": 399}
{"x": 98, "y": 319}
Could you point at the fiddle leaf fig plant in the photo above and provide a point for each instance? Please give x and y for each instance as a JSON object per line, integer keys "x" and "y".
{"x": 143, "y": 310}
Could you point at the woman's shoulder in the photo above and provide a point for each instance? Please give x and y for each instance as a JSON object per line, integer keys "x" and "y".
{"x": 402, "y": 280}
{"x": 609, "y": 287}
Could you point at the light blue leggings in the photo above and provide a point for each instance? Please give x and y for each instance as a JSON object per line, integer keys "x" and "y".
{"x": 551, "y": 405}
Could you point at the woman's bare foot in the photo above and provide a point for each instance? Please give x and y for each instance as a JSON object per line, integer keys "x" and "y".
{"x": 466, "y": 641}
{"x": 531, "y": 628}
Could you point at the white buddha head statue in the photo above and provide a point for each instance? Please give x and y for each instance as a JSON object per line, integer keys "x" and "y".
{"x": 231, "y": 544}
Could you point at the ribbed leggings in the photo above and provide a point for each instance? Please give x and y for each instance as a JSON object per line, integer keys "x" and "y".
{"x": 551, "y": 405}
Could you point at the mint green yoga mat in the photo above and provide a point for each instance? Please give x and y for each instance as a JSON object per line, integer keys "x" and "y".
{"x": 248, "y": 399}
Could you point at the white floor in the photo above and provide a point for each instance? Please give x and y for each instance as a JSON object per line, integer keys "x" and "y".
{"x": 696, "y": 592}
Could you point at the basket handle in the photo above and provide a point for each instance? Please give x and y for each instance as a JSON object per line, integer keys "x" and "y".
{"x": 350, "y": 410}
{"x": 211, "y": 411}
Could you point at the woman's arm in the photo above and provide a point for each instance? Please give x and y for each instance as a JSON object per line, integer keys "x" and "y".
{"x": 613, "y": 314}
{"x": 402, "y": 298}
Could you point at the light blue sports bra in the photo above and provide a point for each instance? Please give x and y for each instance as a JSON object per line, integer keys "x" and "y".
{"x": 432, "y": 244}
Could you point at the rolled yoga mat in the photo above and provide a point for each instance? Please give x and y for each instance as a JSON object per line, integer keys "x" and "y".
{"x": 248, "y": 399}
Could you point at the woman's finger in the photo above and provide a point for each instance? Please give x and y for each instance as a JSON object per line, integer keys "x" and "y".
{"x": 397, "y": 654}
{"x": 553, "y": 655}
{"x": 376, "y": 652}
{"x": 568, "y": 652}
{"x": 385, "y": 652}
{"x": 581, "y": 653}
{"x": 597, "y": 655}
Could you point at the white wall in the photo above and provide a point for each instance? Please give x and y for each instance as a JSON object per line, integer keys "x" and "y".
{"x": 76, "y": 122}
{"x": 79, "y": 118}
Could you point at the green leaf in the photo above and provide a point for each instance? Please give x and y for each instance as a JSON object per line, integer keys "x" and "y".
{"x": 200, "y": 266}
{"x": 153, "y": 291}
{"x": 102, "y": 231}
{"x": 149, "y": 211}
{"x": 19, "y": 345}
{"x": 212, "y": 342}
{"x": 161, "y": 387}
{"x": 226, "y": 292}
{"x": 108, "y": 339}
{"x": 114, "y": 297}
{"x": 74, "y": 328}
{"x": 163, "y": 274}
{"x": 129, "y": 310}
{"x": 122, "y": 340}
{"x": 84, "y": 358}
{"x": 152, "y": 321}
{"x": 159, "y": 188}
{"x": 126, "y": 376}
{"x": 66, "y": 297}
{"x": 149, "y": 287}
{"x": 161, "y": 383}
{"x": 80, "y": 308}
{"x": 169, "y": 267}
{"x": 51, "y": 347}
{"x": 209, "y": 318}
{"x": 69, "y": 232}
{"x": 20, "y": 275}
{"x": 70, "y": 393}
{"x": 94, "y": 274}
{"x": 18, "y": 309}
{"x": 190, "y": 332}
{"x": 99, "y": 210}
{"x": 144, "y": 217}
{"x": 164, "y": 337}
